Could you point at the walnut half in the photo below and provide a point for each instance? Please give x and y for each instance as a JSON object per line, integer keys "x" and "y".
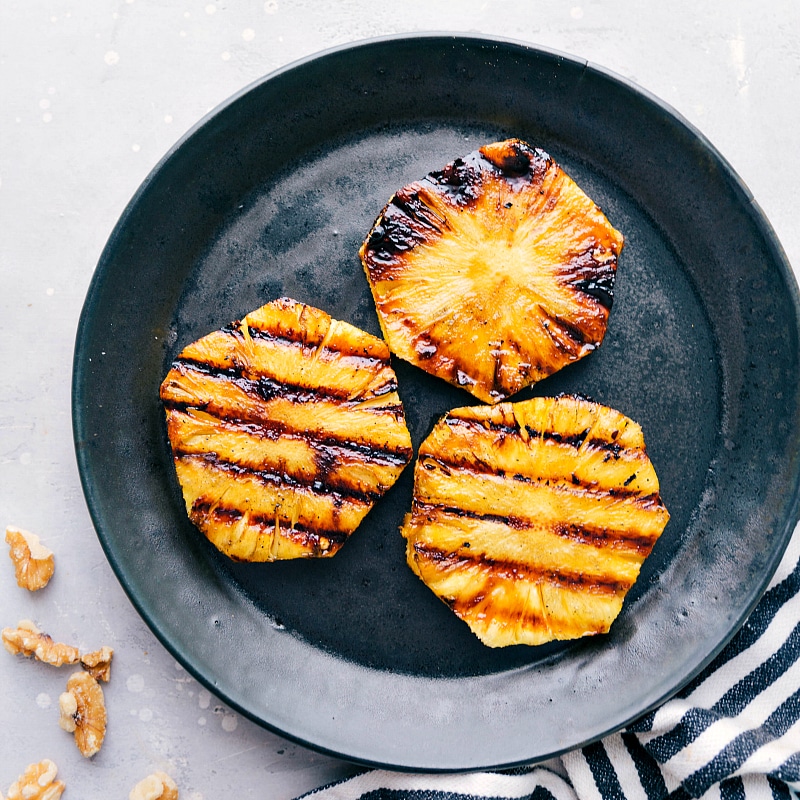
{"x": 158, "y": 786}
{"x": 38, "y": 782}
{"x": 34, "y": 563}
{"x": 83, "y": 712}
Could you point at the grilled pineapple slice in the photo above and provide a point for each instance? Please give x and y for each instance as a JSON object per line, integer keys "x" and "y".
{"x": 285, "y": 428}
{"x": 531, "y": 520}
{"x": 494, "y": 272}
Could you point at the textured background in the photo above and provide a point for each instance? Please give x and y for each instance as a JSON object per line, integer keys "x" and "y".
{"x": 93, "y": 95}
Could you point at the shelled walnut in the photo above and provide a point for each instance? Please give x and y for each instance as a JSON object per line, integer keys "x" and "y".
{"x": 98, "y": 663}
{"x": 38, "y": 782}
{"x": 34, "y": 563}
{"x": 83, "y": 712}
{"x": 158, "y": 786}
{"x": 27, "y": 640}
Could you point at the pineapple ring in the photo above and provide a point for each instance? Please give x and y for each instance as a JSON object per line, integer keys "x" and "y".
{"x": 285, "y": 428}
{"x": 532, "y": 520}
{"x": 493, "y": 272}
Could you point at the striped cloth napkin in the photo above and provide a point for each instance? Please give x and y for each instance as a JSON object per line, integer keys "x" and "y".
{"x": 733, "y": 733}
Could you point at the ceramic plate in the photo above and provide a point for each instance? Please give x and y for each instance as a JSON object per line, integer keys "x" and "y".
{"x": 271, "y": 195}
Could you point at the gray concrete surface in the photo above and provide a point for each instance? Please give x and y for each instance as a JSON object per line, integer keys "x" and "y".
{"x": 93, "y": 94}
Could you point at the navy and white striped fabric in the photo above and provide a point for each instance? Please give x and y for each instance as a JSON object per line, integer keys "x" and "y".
{"x": 732, "y": 734}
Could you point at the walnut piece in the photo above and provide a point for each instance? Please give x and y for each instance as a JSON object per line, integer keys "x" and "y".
{"x": 38, "y": 782}
{"x": 83, "y": 712}
{"x": 158, "y": 786}
{"x": 98, "y": 663}
{"x": 34, "y": 563}
{"x": 29, "y": 641}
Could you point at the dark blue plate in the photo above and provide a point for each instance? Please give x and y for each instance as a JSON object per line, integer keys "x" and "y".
{"x": 272, "y": 195}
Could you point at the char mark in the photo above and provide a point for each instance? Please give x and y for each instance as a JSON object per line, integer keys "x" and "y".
{"x": 231, "y": 515}
{"x": 312, "y": 484}
{"x": 553, "y": 323}
{"x": 481, "y": 425}
{"x": 596, "y": 280}
{"x": 601, "y": 289}
{"x": 422, "y": 216}
{"x": 570, "y": 483}
{"x": 606, "y": 538}
{"x": 507, "y": 569}
{"x": 329, "y": 450}
{"x": 575, "y": 440}
{"x": 460, "y": 180}
{"x": 629, "y": 541}
{"x": 289, "y": 337}
{"x": 516, "y": 161}
{"x": 513, "y": 161}
{"x": 273, "y": 429}
{"x": 267, "y": 389}
{"x": 405, "y": 223}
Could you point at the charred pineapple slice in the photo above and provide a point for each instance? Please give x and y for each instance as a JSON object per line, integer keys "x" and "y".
{"x": 285, "y": 428}
{"x": 531, "y": 520}
{"x": 494, "y": 272}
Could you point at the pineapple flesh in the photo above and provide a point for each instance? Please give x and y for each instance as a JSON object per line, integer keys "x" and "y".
{"x": 494, "y": 272}
{"x": 285, "y": 428}
{"x": 531, "y": 520}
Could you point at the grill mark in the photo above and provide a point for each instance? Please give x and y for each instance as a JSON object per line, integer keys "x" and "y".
{"x": 404, "y": 223}
{"x": 511, "y": 570}
{"x": 595, "y": 279}
{"x": 460, "y": 180}
{"x": 502, "y": 384}
{"x": 582, "y": 534}
{"x": 570, "y": 483}
{"x": 424, "y": 346}
{"x": 414, "y": 207}
{"x": 516, "y": 159}
{"x": 266, "y": 388}
{"x": 553, "y": 323}
{"x": 600, "y": 289}
{"x": 273, "y": 430}
{"x": 339, "y": 494}
{"x": 513, "y": 161}
{"x": 575, "y": 440}
{"x": 603, "y": 537}
{"x": 505, "y": 381}
{"x": 330, "y": 451}
{"x": 572, "y": 332}
{"x": 298, "y": 337}
{"x": 229, "y": 515}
